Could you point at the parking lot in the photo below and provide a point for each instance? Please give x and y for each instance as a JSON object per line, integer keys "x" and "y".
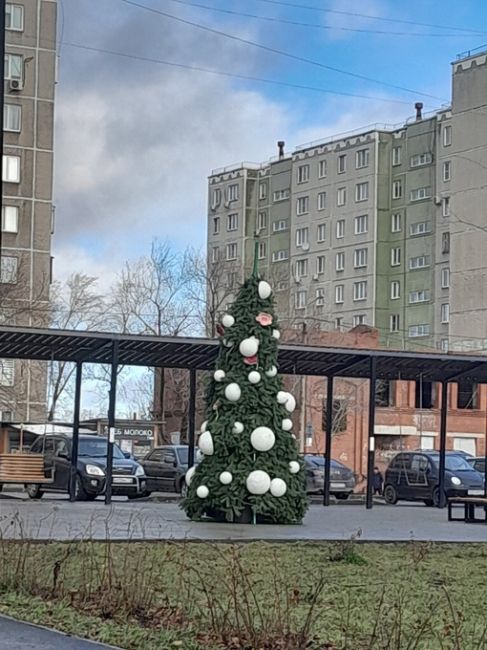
{"x": 55, "y": 518}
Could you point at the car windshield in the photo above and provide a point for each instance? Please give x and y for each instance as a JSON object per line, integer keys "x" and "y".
{"x": 97, "y": 448}
{"x": 319, "y": 461}
{"x": 454, "y": 463}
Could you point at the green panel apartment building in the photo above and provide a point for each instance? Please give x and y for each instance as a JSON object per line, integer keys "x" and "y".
{"x": 385, "y": 226}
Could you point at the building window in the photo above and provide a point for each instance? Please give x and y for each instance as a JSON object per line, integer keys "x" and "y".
{"x": 321, "y": 234}
{"x": 419, "y": 262}
{"x": 10, "y": 218}
{"x": 214, "y": 254}
{"x": 11, "y": 169}
{"x": 340, "y": 262}
{"x": 8, "y": 270}
{"x": 303, "y": 173}
{"x": 339, "y": 291}
{"x": 302, "y": 205}
{"x": 216, "y": 198}
{"x": 321, "y": 200}
{"x": 338, "y": 323}
{"x": 362, "y": 158}
{"x": 322, "y": 169}
{"x": 418, "y": 296}
{"x": 340, "y": 229}
{"x": 445, "y": 278}
{"x": 445, "y": 242}
{"x": 341, "y": 196}
{"x": 361, "y": 192}
{"x": 280, "y": 256}
{"x": 444, "y": 345}
{"x": 447, "y": 136}
{"x": 342, "y": 163}
{"x": 416, "y": 331}
{"x": 232, "y": 193}
{"x": 279, "y": 225}
{"x": 445, "y": 312}
{"x": 320, "y": 297}
{"x": 301, "y": 268}
{"x": 320, "y": 264}
{"x": 394, "y": 322}
{"x": 420, "y": 193}
{"x": 262, "y": 221}
{"x": 14, "y": 66}
{"x": 262, "y": 191}
{"x": 302, "y": 236}
{"x": 384, "y": 395}
{"x": 358, "y": 319}
{"x": 421, "y": 159}
{"x": 216, "y": 225}
{"x": 424, "y": 394}
{"x": 421, "y": 228}
{"x": 360, "y": 290}
{"x": 397, "y": 189}
{"x": 281, "y": 195}
{"x": 232, "y": 222}
{"x": 468, "y": 394}
{"x": 14, "y": 17}
{"x": 232, "y": 251}
{"x": 12, "y": 118}
{"x": 300, "y": 299}
{"x": 447, "y": 170}
{"x": 395, "y": 222}
{"x": 361, "y": 224}
{"x": 6, "y": 372}
{"x": 360, "y": 258}
{"x": 262, "y": 250}
{"x": 395, "y": 257}
{"x": 446, "y": 206}
{"x": 396, "y": 156}
{"x": 395, "y": 289}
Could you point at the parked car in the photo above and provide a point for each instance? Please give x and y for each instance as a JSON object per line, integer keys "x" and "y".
{"x": 342, "y": 479}
{"x": 128, "y": 477}
{"x": 165, "y": 468}
{"x": 414, "y": 476}
{"x": 478, "y": 463}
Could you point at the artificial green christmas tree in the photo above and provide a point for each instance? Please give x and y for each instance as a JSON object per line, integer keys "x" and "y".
{"x": 250, "y": 468}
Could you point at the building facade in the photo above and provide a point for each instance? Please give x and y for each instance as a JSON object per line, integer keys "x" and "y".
{"x": 27, "y": 208}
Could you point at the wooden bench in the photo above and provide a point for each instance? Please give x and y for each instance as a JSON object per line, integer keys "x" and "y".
{"x": 23, "y": 468}
{"x": 469, "y": 505}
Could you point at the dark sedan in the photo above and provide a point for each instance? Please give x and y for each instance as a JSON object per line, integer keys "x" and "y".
{"x": 342, "y": 479}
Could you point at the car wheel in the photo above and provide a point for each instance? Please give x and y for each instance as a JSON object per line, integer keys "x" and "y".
{"x": 34, "y": 491}
{"x": 342, "y": 496}
{"x": 436, "y": 497}
{"x": 390, "y": 495}
{"x": 184, "y": 489}
{"x": 79, "y": 491}
{"x": 1, "y": 487}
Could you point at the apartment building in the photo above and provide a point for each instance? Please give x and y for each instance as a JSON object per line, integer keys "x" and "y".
{"x": 383, "y": 226}
{"x": 27, "y": 208}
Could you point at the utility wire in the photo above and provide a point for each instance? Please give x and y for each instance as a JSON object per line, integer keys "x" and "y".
{"x": 274, "y": 50}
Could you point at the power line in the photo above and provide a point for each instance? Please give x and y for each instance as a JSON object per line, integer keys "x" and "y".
{"x": 370, "y": 17}
{"x": 274, "y": 50}
{"x": 296, "y": 23}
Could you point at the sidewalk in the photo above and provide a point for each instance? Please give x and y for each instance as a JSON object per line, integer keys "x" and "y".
{"x": 22, "y": 636}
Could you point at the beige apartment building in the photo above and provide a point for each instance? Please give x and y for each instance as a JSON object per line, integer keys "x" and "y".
{"x": 27, "y": 208}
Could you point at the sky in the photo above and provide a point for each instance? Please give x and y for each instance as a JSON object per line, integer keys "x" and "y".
{"x": 136, "y": 138}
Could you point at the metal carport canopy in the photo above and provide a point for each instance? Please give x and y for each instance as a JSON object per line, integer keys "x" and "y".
{"x": 200, "y": 354}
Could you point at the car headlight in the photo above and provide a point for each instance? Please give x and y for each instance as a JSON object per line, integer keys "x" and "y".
{"x": 455, "y": 480}
{"x": 139, "y": 471}
{"x": 94, "y": 470}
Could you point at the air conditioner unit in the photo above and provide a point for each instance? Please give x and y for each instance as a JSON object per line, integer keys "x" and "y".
{"x": 316, "y": 276}
{"x": 305, "y": 246}
{"x": 16, "y": 84}
{"x": 437, "y": 200}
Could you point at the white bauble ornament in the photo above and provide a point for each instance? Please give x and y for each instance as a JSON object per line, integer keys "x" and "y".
{"x": 249, "y": 347}
{"x": 226, "y": 478}
{"x": 233, "y": 392}
{"x": 293, "y": 436}
{"x": 254, "y": 377}
{"x": 228, "y": 321}
{"x": 290, "y": 404}
{"x": 199, "y": 455}
{"x": 262, "y": 439}
{"x": 258, "y": 482}
{"x": 287, "y": 424}
{"x": 202, "y": 492}
{"x": 294, "y": 467}
{"x": 238, "y": 427}
{"x": 272, "y": 372}
{"x": 219, "y": 375}
{"x": 189, "y": 475}
{"x": 264, "y": 289}
{"x": 278, "y": 487}
{"x": 205, "y": 443}
{"x": 276, "y": 334}
{"x": 203, "y": 426}
{"x": 282, "y": 396}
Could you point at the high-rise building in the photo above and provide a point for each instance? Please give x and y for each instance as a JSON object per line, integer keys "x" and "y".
{"x": 384, "y": 226}
{"x": 27, "y": 207}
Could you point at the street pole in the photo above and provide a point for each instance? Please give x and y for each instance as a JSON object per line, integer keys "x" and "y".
{"x": 2, "y": 104}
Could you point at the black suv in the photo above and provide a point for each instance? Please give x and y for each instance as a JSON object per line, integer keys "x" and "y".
{"x": 128, "y": 475}
{"x": 414, "y": 476}
{"x": 165, "y": 468}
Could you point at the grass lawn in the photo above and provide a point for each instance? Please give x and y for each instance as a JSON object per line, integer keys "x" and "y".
{"x": 271, "y": 596}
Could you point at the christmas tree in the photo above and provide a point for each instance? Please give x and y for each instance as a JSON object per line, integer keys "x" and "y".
{"x": 250, "y": 469}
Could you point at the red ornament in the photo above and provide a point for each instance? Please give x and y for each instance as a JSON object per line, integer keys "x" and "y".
{"x": 264, "y": 318}
{"x": 220, "y": 330}
{"x": 251, "y": 361}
